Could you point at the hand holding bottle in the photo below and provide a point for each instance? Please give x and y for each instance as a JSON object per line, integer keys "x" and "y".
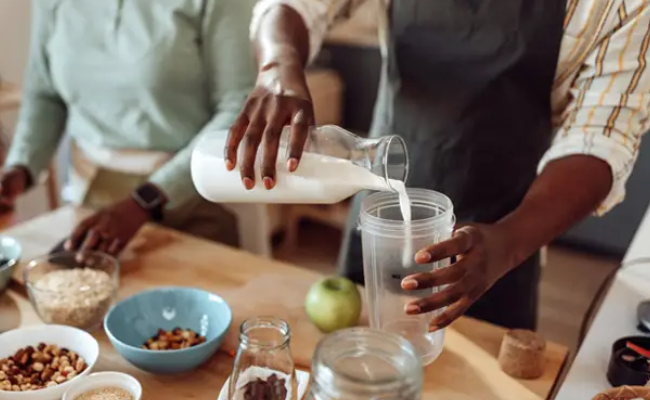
{"x": 280, "y": 98}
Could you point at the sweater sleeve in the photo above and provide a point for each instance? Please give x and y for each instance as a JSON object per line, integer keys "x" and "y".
{"x": 231, "y": 72}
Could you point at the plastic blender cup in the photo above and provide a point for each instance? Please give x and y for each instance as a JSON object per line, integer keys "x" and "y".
{"x": 385, "y": 236}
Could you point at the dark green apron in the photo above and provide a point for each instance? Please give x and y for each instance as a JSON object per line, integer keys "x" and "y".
{"x": 467, "y": 85}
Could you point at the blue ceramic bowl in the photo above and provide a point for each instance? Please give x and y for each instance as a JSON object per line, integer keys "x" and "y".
{"x": 134, "y": 320}
{"x": 10, "y": 252}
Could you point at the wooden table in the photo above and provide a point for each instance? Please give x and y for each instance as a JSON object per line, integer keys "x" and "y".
{"x": 467, "y": 369}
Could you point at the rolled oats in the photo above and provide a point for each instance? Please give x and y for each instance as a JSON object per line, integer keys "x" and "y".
{"x": 77, "y": 297}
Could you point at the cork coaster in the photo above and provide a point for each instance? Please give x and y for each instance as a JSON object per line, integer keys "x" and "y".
{"x": 522, "y": 354}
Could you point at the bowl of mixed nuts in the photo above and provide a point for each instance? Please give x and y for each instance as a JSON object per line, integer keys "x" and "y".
{"x": 73, "y": 289}
{"x": 168, "y": 330}
{"x": 40, "y": 362}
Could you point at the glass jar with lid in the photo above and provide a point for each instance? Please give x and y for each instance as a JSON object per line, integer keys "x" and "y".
{"x": 263, "y": 367}
{"x": 364, "y": 364}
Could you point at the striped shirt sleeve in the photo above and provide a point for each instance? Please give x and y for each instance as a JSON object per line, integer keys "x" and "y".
{"x": 610, "y": 98}
{"x": 318, "y": 15}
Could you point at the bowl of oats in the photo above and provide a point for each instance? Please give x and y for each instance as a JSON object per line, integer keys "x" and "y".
{"x": 41, "y": 362}
{"x": 73, "y": 289}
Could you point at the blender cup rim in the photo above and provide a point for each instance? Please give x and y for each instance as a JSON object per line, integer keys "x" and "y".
{"x": 419, "y": 198}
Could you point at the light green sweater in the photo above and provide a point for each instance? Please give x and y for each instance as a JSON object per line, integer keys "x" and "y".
{"x": 133, "y": 74}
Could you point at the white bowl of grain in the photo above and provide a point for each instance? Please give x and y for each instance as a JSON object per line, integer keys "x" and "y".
{"x": 73, "y": 289}
{"x": 105, "y": 386}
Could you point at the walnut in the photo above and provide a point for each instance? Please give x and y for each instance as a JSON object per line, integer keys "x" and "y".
{"x": 175, "y": 339}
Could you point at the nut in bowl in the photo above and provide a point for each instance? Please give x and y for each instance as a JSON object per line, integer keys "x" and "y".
{"x": 40, "y": 362}
{"x": 73, "y": 289}
{"x": 168, "y": 330}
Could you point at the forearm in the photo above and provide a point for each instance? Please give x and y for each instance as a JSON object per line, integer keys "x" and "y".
{"x": 40, "y": 126}
{"x": 174, "y": 179}
{"x": 282, "y": 39}
{"x": 567, "y": 190}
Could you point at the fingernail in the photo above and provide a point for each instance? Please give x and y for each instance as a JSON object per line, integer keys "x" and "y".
{"x": 292, "y": 164}
{"x": 268, "y": 183}
{"x": 433, "y": 328}
{"x": 248, "y": 183}
{"x": 411, "y": 309}
{"x": 230, "y": 165}
{"x": 68, "y": 245}
{"x": 409, "y": 284}
{"x": 422, "y": 257}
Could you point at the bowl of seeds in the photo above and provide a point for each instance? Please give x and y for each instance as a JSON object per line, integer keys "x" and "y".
{"x": 105, "y": 386}
{"x": 73, "y": 289}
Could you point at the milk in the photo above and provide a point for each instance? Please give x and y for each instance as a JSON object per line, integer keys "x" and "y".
{"x": 405, "y": 209}
{"x": 319, "y": 179}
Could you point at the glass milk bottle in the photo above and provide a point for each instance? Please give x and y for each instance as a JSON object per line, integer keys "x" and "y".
{"x": 335, "y": 165}
{"x": 365, "y": 364}
{"x": 263, "y": 367}
{"x": 390, "y": 239}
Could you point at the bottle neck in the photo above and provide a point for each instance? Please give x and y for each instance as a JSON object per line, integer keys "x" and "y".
{"x": 388, "y": 158}
{"x": 265, "y": 333}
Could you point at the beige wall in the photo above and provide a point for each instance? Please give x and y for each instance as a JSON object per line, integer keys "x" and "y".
{"x": 14, "y": 46}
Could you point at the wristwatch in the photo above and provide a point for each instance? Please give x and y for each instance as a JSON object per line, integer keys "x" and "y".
{"x": 151, "y": 200}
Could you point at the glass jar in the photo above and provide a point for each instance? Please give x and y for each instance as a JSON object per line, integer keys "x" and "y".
{"x": 330, "y": 154}
{"x": 263, "y": 367}
{"x": 364, "y": 364}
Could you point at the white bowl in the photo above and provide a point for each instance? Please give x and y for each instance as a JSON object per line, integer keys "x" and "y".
{"x": 71, "y": 338}
{"x": 104, "y": 379}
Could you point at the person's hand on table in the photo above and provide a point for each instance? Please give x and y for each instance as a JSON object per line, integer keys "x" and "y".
{"x": 482, "y": 258}
{"x": 110, "y": 229}
{"x": 13, "y": 182}
{"x": 281, "y": 97}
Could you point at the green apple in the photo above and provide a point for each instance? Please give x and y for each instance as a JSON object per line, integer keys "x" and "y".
{"x": 333, "y": 303}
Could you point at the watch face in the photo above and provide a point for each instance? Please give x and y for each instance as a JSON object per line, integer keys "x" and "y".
{"x": 149, "y": 196}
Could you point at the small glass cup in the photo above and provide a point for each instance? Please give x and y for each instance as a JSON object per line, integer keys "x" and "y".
{"x": 263, "y": 366}
{"x": 365, "y": 364}
{"x": 72, "y": 288}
